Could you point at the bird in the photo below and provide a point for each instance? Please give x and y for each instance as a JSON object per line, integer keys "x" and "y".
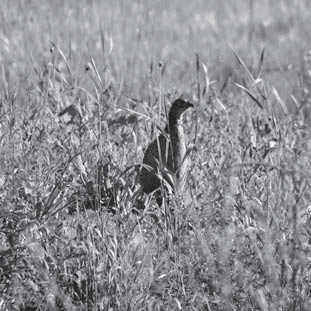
{"x": 167, "y": 153}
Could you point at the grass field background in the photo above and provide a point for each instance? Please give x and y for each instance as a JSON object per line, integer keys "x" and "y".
{"x": 83, "y": 86}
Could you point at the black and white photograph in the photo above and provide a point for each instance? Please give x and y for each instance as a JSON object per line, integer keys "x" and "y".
{"x": 155, "y": 155}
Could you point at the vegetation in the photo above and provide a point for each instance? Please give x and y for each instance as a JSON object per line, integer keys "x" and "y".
{"x": 83, "y": 87}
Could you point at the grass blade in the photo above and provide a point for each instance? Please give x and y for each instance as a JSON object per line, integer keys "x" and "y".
{"x": 249, "y": 94}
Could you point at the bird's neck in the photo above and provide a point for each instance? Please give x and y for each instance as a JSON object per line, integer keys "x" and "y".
{"x": 173, "y": 122}
{"x": 177, "y": 137}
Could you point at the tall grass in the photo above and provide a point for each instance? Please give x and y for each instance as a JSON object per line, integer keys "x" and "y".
{"x": 82, "y": 90}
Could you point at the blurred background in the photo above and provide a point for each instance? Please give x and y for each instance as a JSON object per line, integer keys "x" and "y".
{"x": 132, "y": 37}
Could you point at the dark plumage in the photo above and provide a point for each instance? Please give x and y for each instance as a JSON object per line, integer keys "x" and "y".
{"x": 172, "y": 154}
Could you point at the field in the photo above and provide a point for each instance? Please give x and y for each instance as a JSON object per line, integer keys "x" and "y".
{"x": 84, "y": 85}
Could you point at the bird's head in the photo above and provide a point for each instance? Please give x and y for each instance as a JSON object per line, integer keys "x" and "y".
{"x": 178, "y": 108}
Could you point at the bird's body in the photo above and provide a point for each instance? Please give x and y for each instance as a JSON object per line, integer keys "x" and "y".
{"x": 167, "y": 153}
